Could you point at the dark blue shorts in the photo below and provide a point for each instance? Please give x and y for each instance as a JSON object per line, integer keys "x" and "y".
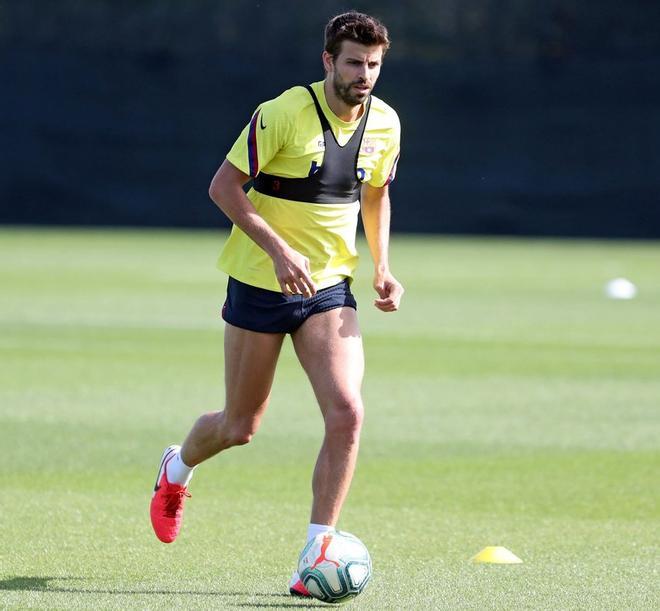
{"x": 256, "y": 309}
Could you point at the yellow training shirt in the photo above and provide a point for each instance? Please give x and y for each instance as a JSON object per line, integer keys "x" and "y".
{"x": 285, "y": 138}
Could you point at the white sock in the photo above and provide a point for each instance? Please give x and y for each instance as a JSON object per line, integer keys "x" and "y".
{"x": 317, "y": 529}
{"x": 178, "y": 472}
{"x": 312, "y": 531}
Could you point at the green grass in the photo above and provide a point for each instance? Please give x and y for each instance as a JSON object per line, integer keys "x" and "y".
{"x": 509, "y": 403}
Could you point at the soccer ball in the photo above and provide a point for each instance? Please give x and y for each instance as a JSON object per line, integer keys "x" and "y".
{"x": 335, "y": 566}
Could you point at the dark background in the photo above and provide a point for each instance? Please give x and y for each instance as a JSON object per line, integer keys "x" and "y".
{"x": 519, "y": 116}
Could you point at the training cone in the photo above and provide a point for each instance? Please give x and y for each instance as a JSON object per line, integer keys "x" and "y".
{"x": 496, "y": 555}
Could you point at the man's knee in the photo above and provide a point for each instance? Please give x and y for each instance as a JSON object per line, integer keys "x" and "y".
{"x": 345, "y": 416}
{"x": 241, "y": 432}
{"x": 235, "y": 431}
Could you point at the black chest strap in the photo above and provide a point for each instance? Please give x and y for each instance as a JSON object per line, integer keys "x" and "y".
{"x": 336, "y": 181}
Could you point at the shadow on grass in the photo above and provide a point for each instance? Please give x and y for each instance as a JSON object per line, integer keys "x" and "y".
{"x": 41, "y": 584}
{"x": 303, "y": 605}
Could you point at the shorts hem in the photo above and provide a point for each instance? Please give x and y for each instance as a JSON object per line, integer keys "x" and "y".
{"x": 247, "y": 328}
{"x": 333, "y": 307}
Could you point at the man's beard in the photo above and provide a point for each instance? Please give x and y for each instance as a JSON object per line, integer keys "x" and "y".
{"x": 343, "y": 92}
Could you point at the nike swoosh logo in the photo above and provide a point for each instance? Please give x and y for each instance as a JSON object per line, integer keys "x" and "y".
{"x": 261, "y": 122}
{"x": 160, "y": 468}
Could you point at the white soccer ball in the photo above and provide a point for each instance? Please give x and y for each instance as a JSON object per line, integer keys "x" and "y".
{"x": 335, "y": 566}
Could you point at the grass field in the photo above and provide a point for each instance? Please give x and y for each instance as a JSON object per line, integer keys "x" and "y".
{"x": 508, "y": 403}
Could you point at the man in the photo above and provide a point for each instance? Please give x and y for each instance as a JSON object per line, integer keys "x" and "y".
{"x": 315, "y": 154}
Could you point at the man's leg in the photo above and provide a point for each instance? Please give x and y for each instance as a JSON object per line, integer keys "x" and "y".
{"x": 329, "y": 347}
{"x": 250, "y": 360}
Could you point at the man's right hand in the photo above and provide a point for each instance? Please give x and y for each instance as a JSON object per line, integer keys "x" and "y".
{"x": 291, "y": 268}
{"x": 294, "y": 274}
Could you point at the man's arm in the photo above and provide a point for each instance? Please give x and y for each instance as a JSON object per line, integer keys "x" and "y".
{"x": 375, "y": 204}
{"x": 291, "y": 268}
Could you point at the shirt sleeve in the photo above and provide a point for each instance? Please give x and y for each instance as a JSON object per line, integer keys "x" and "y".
{"x": 385, "y": 171}
{"x": 261, "y": 139}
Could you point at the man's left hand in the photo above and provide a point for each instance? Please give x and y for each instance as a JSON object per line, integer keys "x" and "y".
{"x": 390, "y": 292}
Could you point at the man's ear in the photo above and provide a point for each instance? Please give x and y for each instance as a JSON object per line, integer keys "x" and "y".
{"x": 328, "y": 61}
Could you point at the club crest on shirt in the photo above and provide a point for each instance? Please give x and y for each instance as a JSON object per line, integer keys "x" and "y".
{"x": 321, "y": 145}
{"x": 368, "y": 146}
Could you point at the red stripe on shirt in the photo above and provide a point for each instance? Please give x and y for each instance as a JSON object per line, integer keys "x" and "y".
{"x": 393, "y": 172}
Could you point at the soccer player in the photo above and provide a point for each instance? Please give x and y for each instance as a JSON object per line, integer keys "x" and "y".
{"x": 317, "y": 155}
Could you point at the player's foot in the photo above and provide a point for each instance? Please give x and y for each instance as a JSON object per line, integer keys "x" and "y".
{"x": 296, "y": 587}
{"x": 167, "y": 501}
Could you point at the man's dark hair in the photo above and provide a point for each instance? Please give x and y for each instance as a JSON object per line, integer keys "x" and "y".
{"x": 357, "y": 27}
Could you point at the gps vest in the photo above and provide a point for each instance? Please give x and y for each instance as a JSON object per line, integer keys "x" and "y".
{"x": 335, "y": 182}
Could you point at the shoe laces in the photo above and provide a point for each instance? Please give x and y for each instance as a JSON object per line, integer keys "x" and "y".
{"x": 174, "y": 501}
